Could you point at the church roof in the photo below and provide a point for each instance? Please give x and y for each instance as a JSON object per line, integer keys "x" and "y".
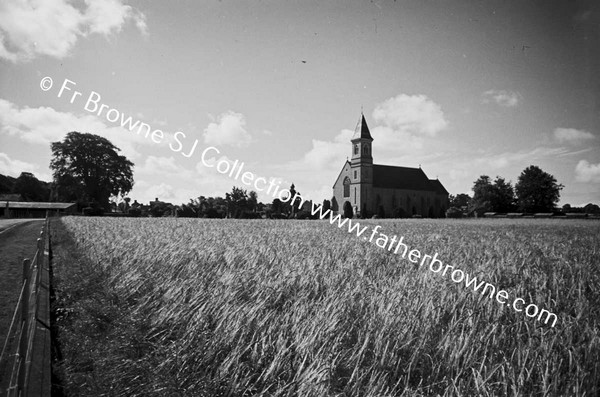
{"x": 362, "y": 130}
{"x": 387, "y": 176}
{"x": 439, "y": 188}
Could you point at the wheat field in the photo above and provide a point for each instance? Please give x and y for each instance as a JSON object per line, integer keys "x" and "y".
{"x": 199, "y": 307}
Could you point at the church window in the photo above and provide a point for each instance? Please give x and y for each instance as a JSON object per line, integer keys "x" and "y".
{"x": 354, "y": 195}
{"x": 355, "y": 174}
{"x": 366, "y": 149}
{"x": 355, "y": 149}
{"x": 347, "y": 187}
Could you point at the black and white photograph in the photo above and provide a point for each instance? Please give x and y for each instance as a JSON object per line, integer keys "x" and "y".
{"x": 281, "y": 198}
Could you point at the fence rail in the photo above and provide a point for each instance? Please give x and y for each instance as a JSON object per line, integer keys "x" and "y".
{"x": 31, "y": 373}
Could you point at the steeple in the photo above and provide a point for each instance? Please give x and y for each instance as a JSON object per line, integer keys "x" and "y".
{"x": 361, "y": 143}
{"x": 362, "y": 130}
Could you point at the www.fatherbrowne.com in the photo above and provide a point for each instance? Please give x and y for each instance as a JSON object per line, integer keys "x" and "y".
{"x": 399, "y": 247}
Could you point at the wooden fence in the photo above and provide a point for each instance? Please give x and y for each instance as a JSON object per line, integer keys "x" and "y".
{"x": 30, "y": 364}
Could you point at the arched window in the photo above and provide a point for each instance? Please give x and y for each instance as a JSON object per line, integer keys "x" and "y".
{"x": 366, "y": 149}
{"x": 355, "y": 149}
{"x": 346, "y": 187}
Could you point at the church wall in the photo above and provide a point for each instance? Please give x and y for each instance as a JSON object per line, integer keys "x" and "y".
{"x": 418, "y": 202}
{"x": 338, "y": 189}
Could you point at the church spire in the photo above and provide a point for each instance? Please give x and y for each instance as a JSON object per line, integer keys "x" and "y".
{"x": 362, "y": 130}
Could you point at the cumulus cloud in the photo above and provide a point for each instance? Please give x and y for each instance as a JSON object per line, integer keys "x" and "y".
{"x": 29, "y": 28}
{"x": 413, "y": 114}
{"x": 326, "y": 154}
{"x": 228, "y": 129}
{"x": 43, "y": 125}
{"x": 163, "y": 191}
{"x": 502, "y": 97}
{"x": 166, "y": 166}
{"x": 586, "y": 172}
{"x": 572, "y": 135}
{"x": 14, "y": 167}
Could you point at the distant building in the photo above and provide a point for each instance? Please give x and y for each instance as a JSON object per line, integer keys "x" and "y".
{"x": 384, "y": 189}
{"x": 19, "y": 209}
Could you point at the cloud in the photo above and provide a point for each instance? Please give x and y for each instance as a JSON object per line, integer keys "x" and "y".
{"x": 413, "y": 114}
{"x": 326, "y": 155}
{"x": 571, "y": 135}
{"x": 388, "y": 141}
{"x": 502, "y": 97}
{"x": 163, "y": 191}
{"x": 106, "y": 16}
{"x": 14, "y": 167}
{"x": 586, "y": 172}
{"x": 44, "y": 125}
{"x": 29, "y": 28}
{"x": 228, "y": 130}
{"x": 164, "y": 166}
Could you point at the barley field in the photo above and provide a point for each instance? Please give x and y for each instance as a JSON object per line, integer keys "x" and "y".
{"x": 199, "y": 307}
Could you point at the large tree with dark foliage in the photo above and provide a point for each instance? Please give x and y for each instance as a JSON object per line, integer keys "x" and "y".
{"x": 503, "y": 196}
{"x": 460, "y": 200}
{"x": 89, "y": 169}
{"x": 487, "y": 196}
{"x": 237, "y": 202}
{"x": 482, "y": 195}
{"x": 31, "y": 188}
{"x": 537, "y": 191}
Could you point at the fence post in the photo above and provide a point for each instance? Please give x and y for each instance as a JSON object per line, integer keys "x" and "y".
{"x": 24, "y": 340}
{"x": 40, "y": 249}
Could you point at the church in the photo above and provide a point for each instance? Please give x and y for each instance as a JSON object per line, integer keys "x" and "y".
{"x": 384, "y": 190}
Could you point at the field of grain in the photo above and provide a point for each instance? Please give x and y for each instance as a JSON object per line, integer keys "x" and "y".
{"x": 186, "y": 307}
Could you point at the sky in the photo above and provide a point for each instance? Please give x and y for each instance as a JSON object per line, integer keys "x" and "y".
{"x": 460, "y": 88}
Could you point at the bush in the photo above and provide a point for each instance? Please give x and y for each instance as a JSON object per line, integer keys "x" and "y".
{"x": 303, "y": 215}
{"x": 92, "y": 211}
{"x": 454, "y": 212}
{"x": 348, "y": 213}
{"x": 212, "y": 213}
{"x": 135, "y": 212}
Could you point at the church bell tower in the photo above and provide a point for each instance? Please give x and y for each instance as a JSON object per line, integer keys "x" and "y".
{"x": 361, "y": 194}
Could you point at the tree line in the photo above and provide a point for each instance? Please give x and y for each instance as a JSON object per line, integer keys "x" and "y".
{"x": 536, "y": 191}
{"x": 88, "y": 170}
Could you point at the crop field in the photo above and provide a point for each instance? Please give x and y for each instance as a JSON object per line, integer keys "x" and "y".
{"x": 201, "y": 307}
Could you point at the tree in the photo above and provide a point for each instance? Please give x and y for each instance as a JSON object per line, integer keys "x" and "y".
{"x": 503, "y": 196}
{"x": 30, "y": 188}
{"x": 252, "y": 201}
{"x": 294, "y": 201}
{"x": 326, "y": 205}
{"x": 276, "y": 206}
{"x": 482, "y": 195}
{"x": 237, "y": 202}
{"x": 89, "y": 169}
{"x": 488, "y": 196}
{"x": 348, "y": 212}
{"x": 460, "y": 200}
{"x": 537, "y": 191}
